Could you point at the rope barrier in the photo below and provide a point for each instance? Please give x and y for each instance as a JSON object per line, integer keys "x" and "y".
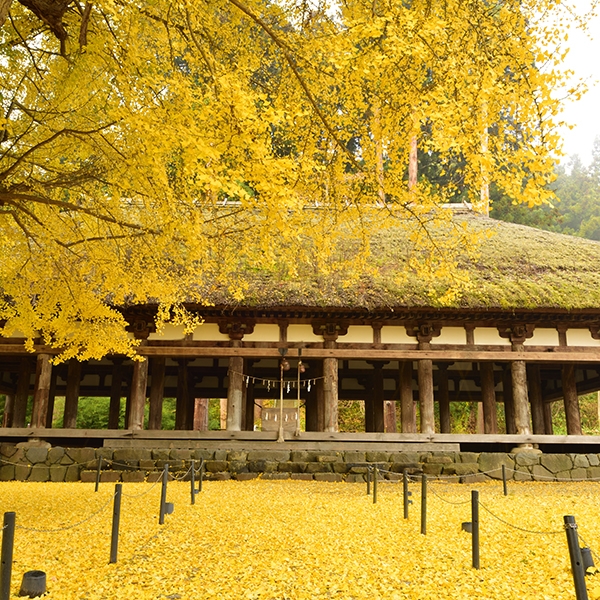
{"x": 588, "y": 546}
{"x": 467, "y": 501}
{"x": 516, "y": 526}
{"x": 182, "y": 477}
{"x": 143, "y": 493}
{"x": 72, "y": 526}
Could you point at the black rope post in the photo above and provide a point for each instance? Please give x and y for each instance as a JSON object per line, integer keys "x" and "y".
{"x": 375, "y": 478}
{"x": 504, "y": 480}
{"x": 575, "y": 556}
{"x": 193, "y": 482}
{"x": 368, "y": 480}
{"x": 201, "y": 476}
{"x": 405, "y": 492}
{"x": 475, "y": 527}
{"x": 424, "y": 504}
{"x": 98, "y": 471}
{"x": 6, "y": 556}
{"x": 114, "y": 539}
{"x": 163, "y": 495}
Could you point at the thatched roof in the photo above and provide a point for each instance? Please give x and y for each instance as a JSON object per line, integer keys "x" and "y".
{"x": 517, "y": 267}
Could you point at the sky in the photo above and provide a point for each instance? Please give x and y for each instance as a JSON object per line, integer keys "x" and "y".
{"x": 584, "y": 59}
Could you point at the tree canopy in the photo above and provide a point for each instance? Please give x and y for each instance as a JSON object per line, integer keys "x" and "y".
{"x": 150, "y": 147}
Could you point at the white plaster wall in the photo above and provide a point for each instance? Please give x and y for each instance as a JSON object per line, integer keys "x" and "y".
{"x": 170, "y": 332}
{"x": 263, "y": 332}
{"x": 581, "y": 337}
{"x": 451, "y": 335}
{"x": 392, "y": 334}
{"x": 543, "y": 337}
{"x": 209, "y": 332}
{"x": 489, "y": 336}
{"x": 302, "y": 333}
{"x": 358, "y": 334}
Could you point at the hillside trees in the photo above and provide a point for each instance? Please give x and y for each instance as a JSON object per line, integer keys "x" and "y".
{"x": 153, "y": 151}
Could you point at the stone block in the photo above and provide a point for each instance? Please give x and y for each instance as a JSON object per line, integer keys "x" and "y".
{"x": 262, "y": 466}
{"x": 580, "y": 460}
{"x": 7, "y": 473}
{"x": 22, "y": 472}
{"x": 277, "y": 476}
{"x": 377, "y": 457}
{"x": 72, "y": 473}
{"x": 66, "y": 459}
{"x": 540, "y": 473}
{"x": 123, "y": 455}
{"x": 522, "y": 474}
{"x": 490, "y": 463}
{"x": 147, "y": 464}
{"x": 106, "y": 453}
{"x": 200, "y": 454}
{"x": 563, "y": 475}
{"x": 237, "y": 455}
{"x": 110, "y": 476}
{"x": 556, "y": 462}
{"x": 318, "y": 468}
{"x": 398, "y": 467}
{"x": 333, "y": 477}
{"x": 39, "y": 473}
{"x": 162, "y": 454}
{"x": 355, "y": 478}
{"x": 579, "y": 473}
{"x": 438, "y": 459}
{"x": 467, "y": 457}
{"x": 134, "y": 477}
{"x": 461, "y": 469}
{"x": 221, "y": 454}
{"x": 292, "y": 467}
{"x": 593, "y": 460}
{"x": 154, "y": 476}
{"x": 57, "y": 473}
{"x": 593, "y": 472}
{"x": 245, "y": 476}
{"x": 302, "y": 476}
{"x": 238, "y": 466}
{"x": 87, "y": 476}
{"x": 55, "y": 454}
{"x": 81, "y": 455}
{"x": 355, "y": 457}
{"x": 451, "y": 455}
{"x": 359, "y": 469}
{"x": 433, "y": 469}
{"x": 527, "y": 459}
{"x": 405, "y": 457}
{"x": 269, "y": 455}
{"x": 393, "y": 476}
{"x": 223, "y": 476}
{"x": 477, "y": 478}
{"x": 301, "y": 456}
{"x": 340, "y": 467}
{"x": 329, "y": 458}
{"x": 216, "y": 466}
{"x": 181, "y": 454}
{"x": 7, "y": 450}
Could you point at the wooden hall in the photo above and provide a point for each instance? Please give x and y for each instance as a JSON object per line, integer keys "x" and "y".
{"x": 524, "y": 335}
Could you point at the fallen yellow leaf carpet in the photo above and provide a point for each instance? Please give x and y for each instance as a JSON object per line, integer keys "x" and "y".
{"x": 293, "y": 540}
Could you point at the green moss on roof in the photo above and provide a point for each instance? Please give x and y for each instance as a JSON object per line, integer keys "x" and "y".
{"x": 517, "y": 267}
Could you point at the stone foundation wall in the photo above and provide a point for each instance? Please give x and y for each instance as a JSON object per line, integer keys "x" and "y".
{"x": 37, "y": 461}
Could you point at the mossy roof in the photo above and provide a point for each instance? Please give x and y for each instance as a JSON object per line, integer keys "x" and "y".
{"x": 517, "y": 267}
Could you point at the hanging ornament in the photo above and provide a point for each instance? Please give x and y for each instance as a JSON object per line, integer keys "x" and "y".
{"x": 308, "y": 386}
{"x": 268, "y": 386}
{"x": 288, "y": 387}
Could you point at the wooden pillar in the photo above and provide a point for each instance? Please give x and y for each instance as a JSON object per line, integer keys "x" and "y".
{"x": 22, "y": 396}
{"x": 509, "y": 412}
{"x": 51, "y": 399}
{"x": 9, "y": 403}
{"x": 157, "y": 391}
{"x": 72, "y": 394}
{"x": 444, "y": 399}
{"x": 200, "y": 414}
{"x": 43, "y": 376}
{"x": 389, "y": 416}
{"x": 534, "y": 383}
{"x": 425, "y": 376}
{"x": 223, "y": 413}
{"x": 235, "y": 392}
{"x": 114, "y": 407}
{"x": 378, "y": 408}
{"x": 571, "y": 400}
{"x": 548, "y": 418}
{"x": 407, "y": 404}
{"x": 520, "y": 397}
{"x": 488, "y": 397}
{"x": 182, "y": 400}
{"x": 139, "y": 386}
{"x": 330, "y": 393}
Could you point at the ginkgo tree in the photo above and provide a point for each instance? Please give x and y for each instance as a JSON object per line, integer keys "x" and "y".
{"x": 156, "y": 151}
